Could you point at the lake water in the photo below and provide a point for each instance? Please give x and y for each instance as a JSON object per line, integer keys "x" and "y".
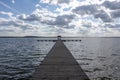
{"x": 99, "y": 57}
{"x": 20, "y": 56}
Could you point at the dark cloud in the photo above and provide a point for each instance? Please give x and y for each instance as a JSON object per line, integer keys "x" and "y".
{"x": 112, "y": 26}
{"x": 70, "y": 26}
{"x": 15, "y": 23}
{"x": 103, "y": 15}
{"x": 113, "y": 5}
{"x": 31, "y": 17}
{"x": 6, "y": 30}
{"x": 115, "y": 14}
{"x": 92, "y": 10}
{"x": 64, "y": 1}
{"x": 35, "y": 17}
{"x": 62, "y": 20}
{"x": 87, "y": 9}
{"x": 9, "y": 23}
{"x": 56, "y": 1}
{"x": 87, "y": 25}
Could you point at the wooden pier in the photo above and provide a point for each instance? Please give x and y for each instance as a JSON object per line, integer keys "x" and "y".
{"x": 59, "y": 64}
{"x": 61, "y": 40}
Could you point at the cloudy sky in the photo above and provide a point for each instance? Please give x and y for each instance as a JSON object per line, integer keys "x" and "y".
{"x": 60, "y": 17}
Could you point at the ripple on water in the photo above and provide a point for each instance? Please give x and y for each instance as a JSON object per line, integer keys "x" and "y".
{"x": 20, "y": 57}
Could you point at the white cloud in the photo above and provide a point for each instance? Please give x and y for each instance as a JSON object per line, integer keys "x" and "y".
{"x": 10, "y": 14}
{"x": 65, "y": 17}
{"x": 46, "y": 17}
{"x": 18, "y": 27}
{"x": 15, "y": 23}
{"x": 55, "y": 2}
{"x": 37, "y": 5}
{"x": 13, "y": 1}
{"x": 78, "y": 17}
{"x": 113, "y": 5}
{"x": 89, "y": 17}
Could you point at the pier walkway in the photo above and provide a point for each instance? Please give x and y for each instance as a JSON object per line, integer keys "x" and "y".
{"x": 59, "y": 64}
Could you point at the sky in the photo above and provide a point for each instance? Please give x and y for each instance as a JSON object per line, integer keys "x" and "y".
{"x": 82, "y": 18}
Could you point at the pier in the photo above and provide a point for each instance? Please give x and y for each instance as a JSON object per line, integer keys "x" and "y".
{"x": 59, "y": 64}
{"x": 61, "y": 40}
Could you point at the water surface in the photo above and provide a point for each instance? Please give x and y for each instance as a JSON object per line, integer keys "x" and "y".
{"x": 20, "y": 56}
{"x": 98, "y": 57}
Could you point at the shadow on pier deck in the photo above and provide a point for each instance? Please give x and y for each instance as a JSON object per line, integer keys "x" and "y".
{"x": 59, "y": 64}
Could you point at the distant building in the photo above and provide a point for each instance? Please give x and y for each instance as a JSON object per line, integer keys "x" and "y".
{"x": 59, "y": 37}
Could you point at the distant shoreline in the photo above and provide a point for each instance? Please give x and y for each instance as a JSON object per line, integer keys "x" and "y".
{"x": 49, "y": 37}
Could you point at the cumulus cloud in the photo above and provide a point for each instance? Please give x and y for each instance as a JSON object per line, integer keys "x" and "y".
{"x": 103, "y": 15}
{"x": 31, "y": 17}
{"x": 55, "y": 1}
{"x": 60, "y": 21}
{"x": 6, "y": 13}
{"x": 92, "y": 10}
{"x": 114, "y": 8}
{"x": 45, "y": 17}
{"x": 113, "y": 26}
{"x": 86, "y": 9}
{"x": 113, "y": 5}
{"x": 15, "y": 23}
{"x": 63, "y": 20}
{"x": 64, "y": 1}
{"x": 18, "y": 27}
{"x": 40, "y": 15}
{"x": 115, "y": 13}
{"x": 69, "y": 17}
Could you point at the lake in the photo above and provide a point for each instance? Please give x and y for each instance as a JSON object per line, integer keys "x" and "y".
{"x": 98, "y": 57}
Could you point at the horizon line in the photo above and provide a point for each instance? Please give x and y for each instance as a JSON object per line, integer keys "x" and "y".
{"x": 62, "y": 36}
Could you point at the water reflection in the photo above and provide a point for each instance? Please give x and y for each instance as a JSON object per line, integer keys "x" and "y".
{"x": 99, "y": 57}
{"x": 20, "y": 56}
